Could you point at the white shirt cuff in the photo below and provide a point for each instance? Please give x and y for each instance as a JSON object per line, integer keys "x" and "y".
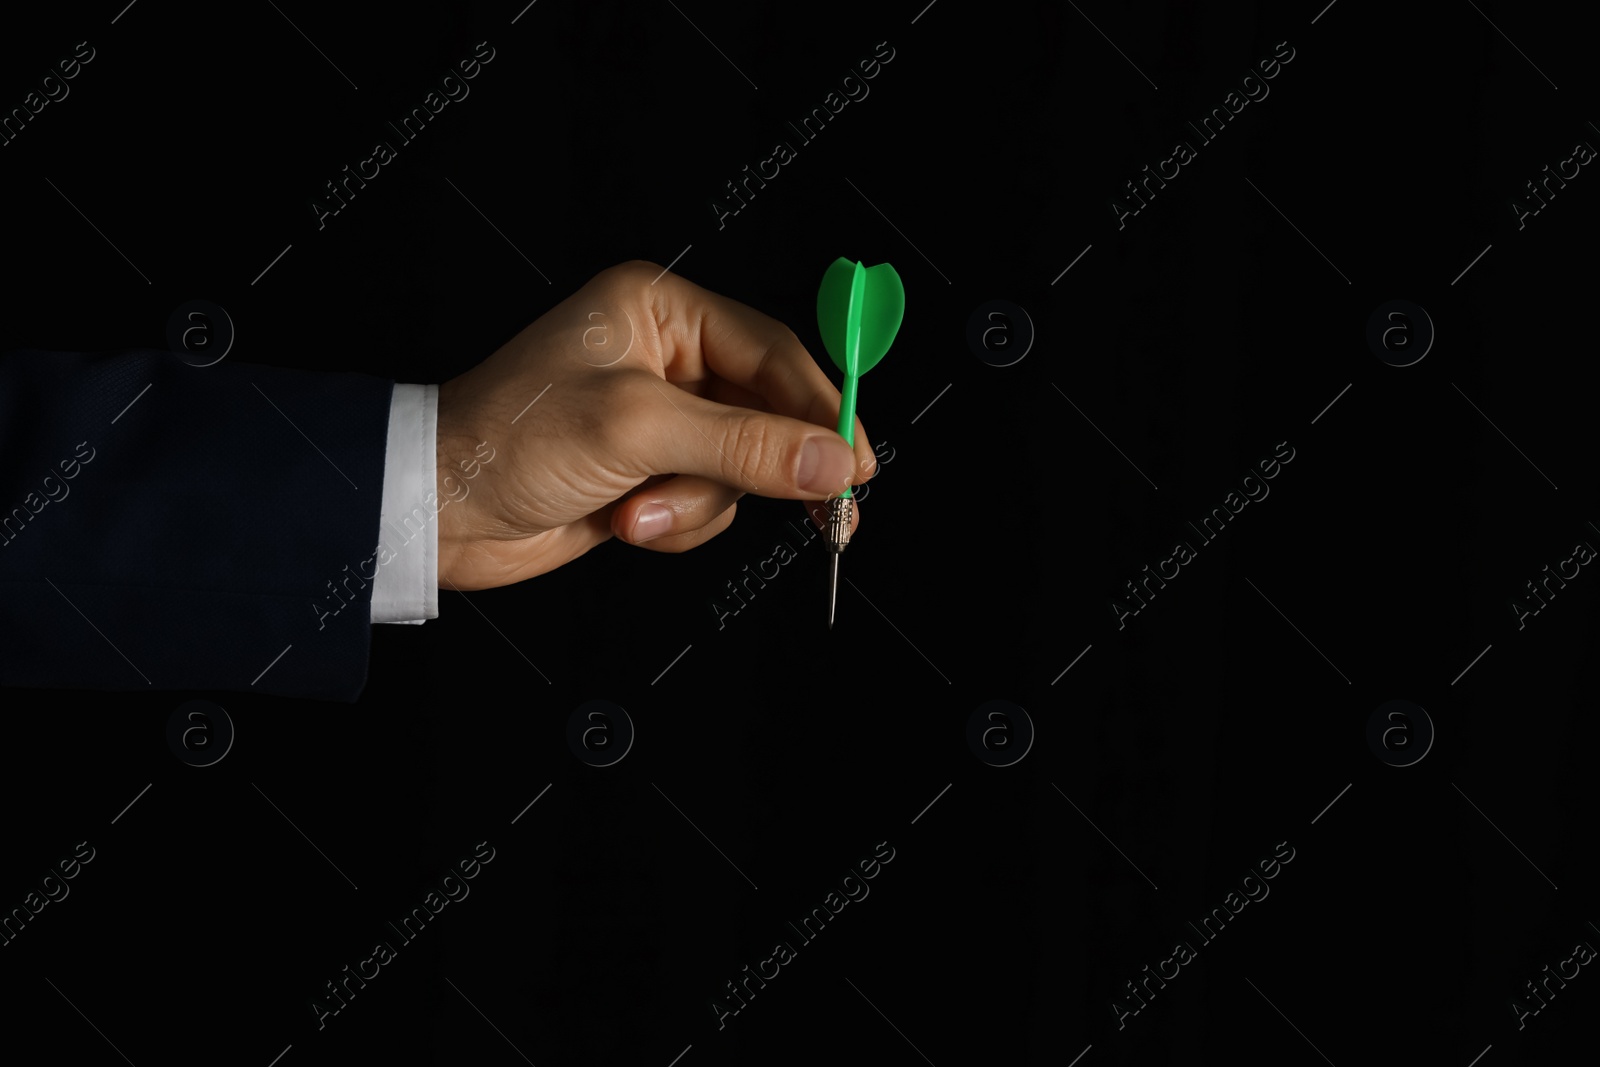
{"x": 406, "y": 587}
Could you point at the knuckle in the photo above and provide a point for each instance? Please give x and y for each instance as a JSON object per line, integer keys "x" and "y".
{"x": 718, "y": 524}
{"x": 774, "y": 370}
{"x": 629, "y": 272}
{"x": 754, "y": 451}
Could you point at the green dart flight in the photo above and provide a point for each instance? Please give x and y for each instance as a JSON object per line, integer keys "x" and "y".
{"x": 859, "y": 309}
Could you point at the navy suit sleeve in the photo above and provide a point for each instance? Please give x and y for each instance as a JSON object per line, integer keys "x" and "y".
{"x": 176, "y": 527}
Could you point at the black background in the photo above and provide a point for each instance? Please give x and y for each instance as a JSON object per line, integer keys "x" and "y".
{"x": 1175, "y": 752}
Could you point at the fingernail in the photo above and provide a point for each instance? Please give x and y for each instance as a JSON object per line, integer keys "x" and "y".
{"x": 825, "y": 466}
{"x": 653, "y": 521}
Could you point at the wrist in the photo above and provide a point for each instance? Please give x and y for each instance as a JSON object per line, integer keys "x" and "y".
{"x": 453, "y": 454}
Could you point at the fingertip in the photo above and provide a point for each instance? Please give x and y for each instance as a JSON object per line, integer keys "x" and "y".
{"x": 647, "y": 522}
{"x": 827, "y": 464}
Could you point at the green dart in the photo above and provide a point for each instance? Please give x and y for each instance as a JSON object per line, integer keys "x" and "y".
{"x": 859, "y": 309}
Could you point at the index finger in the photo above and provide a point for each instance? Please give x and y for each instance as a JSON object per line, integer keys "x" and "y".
{"x": 704, "y": 334}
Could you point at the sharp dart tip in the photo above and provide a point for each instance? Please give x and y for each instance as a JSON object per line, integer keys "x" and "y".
{"x": 833, "y": 591}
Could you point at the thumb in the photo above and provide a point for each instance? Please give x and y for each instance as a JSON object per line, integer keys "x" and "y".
{"x": 754, "y": 451}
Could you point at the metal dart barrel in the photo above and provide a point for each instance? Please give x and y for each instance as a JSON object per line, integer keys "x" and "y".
{"x": 841, "y": 510}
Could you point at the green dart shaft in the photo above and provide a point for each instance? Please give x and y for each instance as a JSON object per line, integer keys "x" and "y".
{"x": 847, "y": 410}
{"x": 852, "y": 374}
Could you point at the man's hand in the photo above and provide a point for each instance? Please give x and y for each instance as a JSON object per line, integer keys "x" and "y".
{"x": 637, "y": 410}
